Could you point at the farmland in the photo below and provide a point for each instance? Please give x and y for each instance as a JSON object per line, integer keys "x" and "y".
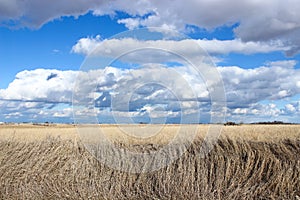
{"x": 246, "y": 162}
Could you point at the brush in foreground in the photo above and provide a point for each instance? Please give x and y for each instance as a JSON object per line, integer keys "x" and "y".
{"x": 234, "y": 169}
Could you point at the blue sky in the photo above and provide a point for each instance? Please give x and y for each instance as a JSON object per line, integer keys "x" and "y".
{"x": 49, "y": 46}
{"x": 256, "y": 59}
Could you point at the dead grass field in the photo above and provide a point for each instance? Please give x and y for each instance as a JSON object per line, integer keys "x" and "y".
{"x": 247, "y": 162}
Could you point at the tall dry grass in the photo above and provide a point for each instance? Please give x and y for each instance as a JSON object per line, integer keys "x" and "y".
{"x": 237, "y": 168}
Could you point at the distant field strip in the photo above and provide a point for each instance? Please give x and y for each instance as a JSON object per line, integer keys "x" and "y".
{"x": 163, "y": 133}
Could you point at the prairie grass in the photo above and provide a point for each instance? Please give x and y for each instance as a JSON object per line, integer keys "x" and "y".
{"x": 247, "y": 162}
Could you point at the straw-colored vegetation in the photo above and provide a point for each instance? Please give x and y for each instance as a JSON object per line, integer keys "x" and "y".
{"x": 248, "y": 162}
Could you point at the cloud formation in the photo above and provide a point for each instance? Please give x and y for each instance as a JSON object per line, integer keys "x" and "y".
{"x": 153, "y": 91}
{"x": 192, "y": 48}
{"x": 275, "y": 81}
{"x": 266, "y": 21}
{"x": 41, "y": 85}
{"x": 35, "y": 13}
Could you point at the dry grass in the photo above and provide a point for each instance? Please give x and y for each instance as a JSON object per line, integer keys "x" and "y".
{"x": 248, "y": 162}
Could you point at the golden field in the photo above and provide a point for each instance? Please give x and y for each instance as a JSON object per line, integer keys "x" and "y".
{"x": 246, "y": 162}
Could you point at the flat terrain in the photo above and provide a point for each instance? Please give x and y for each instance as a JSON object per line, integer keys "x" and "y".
{"x": 246, "y": 162}
{"x": 149, "y": 133}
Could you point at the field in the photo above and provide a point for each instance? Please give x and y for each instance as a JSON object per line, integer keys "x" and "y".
{"x": 246, "y": 162}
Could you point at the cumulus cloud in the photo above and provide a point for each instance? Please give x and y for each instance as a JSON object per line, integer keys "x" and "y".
{"x": 151, "y": 91}
{"x": 262, "y": 111}
{"x": 257, "y": 21}
{"x": 41, "y": 85}
{"x": 267, "y": 21}
{"x": 154, "y": 91}
{"x": 275, "y": 81}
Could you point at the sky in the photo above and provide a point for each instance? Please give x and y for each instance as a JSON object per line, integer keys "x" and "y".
{"x": 124, "y": 61}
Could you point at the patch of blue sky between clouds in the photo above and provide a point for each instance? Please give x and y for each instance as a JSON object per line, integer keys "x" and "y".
{"x": 250, "y": 61}
{"x": 221, "y": 33}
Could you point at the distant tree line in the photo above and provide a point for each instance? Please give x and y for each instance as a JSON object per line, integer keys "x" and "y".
{"x": 230, "y": 123}
{"x": 273, "y": 122}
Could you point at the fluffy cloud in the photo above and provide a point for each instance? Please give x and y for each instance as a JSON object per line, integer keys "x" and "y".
{"x": 266, "y": 112}
{"x": 41, "y": 85}
{"x": 276, "y": 81}
{"x": 257, "y": 21}
{"x": 266, "y": 21}
{"x": 151, "y": 91}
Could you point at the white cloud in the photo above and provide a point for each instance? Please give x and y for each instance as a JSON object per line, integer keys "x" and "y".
{"x": 267, "y": 21}
{"x": 283, "y": 93}
{"x": 130, "y": 23}
{"x": 66, "y": 112}
{"x": 257, "y": 112}
{"x": 283, "y": 63}
{"x": 290, "y": 108}
{"x": 149, "y": 49}
{"x": 257, "y": 21}
{"x": 86, "y": 45}
{"x": 152, "y": 91}
{"x": 238, "y": 46}
{"x": 41, "y": 85}
{"x": 275, "y": 81}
